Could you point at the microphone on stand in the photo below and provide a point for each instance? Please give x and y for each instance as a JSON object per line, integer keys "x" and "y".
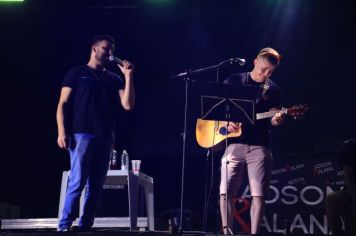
{"x": 240, "y": 61}
{"x": 234, "y": 60}
{"x": 184, "y": 74}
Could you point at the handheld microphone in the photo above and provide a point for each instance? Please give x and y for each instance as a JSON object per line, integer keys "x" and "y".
{"x": 117, "y": 60}
{"x": 112, "y": 58}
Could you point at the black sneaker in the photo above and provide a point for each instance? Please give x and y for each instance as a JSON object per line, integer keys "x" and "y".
{"x": 75, "y": 228}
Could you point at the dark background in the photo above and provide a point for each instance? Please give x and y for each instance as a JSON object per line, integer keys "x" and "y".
{"x": 41, "y": 40}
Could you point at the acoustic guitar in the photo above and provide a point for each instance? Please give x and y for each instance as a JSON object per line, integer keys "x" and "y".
{"x": 210, "y": 133}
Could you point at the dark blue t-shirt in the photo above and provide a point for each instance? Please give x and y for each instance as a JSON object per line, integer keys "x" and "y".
{"x": 258, "y": 134}
{"x": 94, "y": 100}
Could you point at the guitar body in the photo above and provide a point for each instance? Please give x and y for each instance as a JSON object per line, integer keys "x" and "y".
{"x": 210, "y": 133}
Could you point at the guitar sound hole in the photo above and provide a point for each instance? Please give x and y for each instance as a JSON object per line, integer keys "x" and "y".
{"x": 223, "y": 131}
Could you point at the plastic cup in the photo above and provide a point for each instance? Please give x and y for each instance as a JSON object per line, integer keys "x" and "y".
{"x": 136, "y": 164}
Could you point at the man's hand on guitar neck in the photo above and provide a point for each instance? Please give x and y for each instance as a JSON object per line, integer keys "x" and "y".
{"x": 277, "y": 119}
{"x": 233, "y": 127}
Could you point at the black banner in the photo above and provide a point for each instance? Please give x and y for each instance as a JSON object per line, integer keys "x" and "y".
{"x": 296, "y": 197}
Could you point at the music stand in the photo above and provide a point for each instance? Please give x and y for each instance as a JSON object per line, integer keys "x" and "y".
{"x": 225, "y": 102}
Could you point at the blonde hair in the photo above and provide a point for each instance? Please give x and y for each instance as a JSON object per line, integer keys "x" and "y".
{"x": 270, "y": 54}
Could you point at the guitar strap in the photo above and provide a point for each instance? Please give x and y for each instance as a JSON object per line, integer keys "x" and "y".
{"x": 262, "y": 88}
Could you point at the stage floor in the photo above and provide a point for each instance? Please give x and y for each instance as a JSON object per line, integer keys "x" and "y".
{"x": 111, "y": 232}
{"x": 102, "y": 227}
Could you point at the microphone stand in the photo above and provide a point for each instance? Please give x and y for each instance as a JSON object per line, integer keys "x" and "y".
{"x": 187, "y": 73}
{"x": 186, "y": 77}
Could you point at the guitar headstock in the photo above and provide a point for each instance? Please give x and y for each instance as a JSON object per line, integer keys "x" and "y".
{"x": 297, "y": 111}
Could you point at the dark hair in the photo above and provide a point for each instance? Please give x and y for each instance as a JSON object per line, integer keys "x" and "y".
{"x": 103, "y": 37}
{"x": 270, "y": 55}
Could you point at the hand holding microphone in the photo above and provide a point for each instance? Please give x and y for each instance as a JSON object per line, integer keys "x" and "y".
{"x": 122, "y": 63}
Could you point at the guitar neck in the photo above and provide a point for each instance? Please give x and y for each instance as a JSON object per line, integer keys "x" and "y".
{"x": 267, "y": 114}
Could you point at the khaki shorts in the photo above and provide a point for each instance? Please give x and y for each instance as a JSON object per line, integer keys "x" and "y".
{"x": 258, "y": 160}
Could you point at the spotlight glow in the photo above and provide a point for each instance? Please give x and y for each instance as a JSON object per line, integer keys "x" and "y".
{"x": 11, "y": 1}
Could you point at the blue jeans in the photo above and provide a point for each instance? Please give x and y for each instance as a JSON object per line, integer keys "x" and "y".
{"x": 89, "y": 160}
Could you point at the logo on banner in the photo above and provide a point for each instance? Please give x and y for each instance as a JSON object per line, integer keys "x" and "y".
{"x": 242, "y": 206}
{"x": 323, "y": 168}
{"x": 288, "y": 168}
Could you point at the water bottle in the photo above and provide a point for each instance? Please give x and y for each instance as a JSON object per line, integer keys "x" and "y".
{"x": 113, "y": 160}
{"x": 124, "y": 160}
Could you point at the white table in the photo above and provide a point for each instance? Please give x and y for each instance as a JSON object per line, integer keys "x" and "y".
{"x": 121, "y": 177}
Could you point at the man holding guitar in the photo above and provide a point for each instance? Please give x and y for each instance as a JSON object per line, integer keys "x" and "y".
{"x": 252, "y": 148}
